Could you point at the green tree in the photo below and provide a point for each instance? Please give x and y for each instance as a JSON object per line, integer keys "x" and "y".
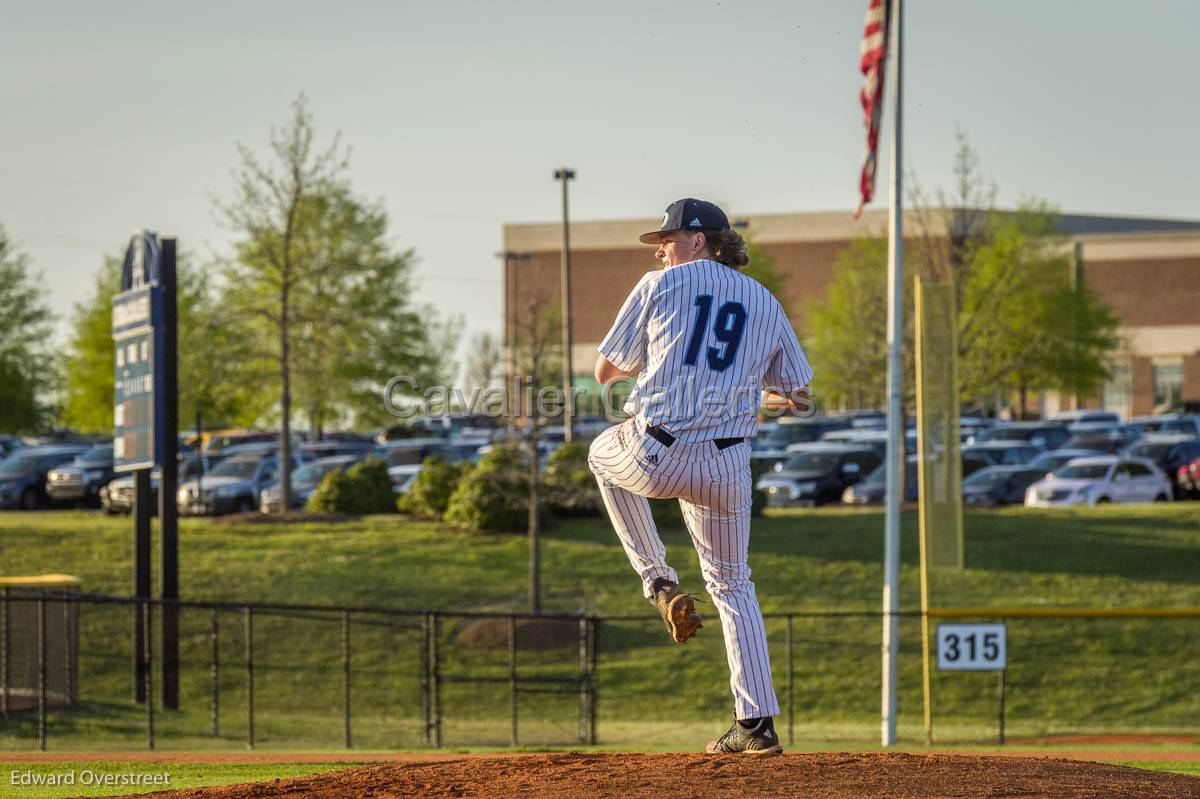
{"x": 214, "y": 373}
{"x": 359, "y": 327}
{"x": 1023, "y": 322}
{"x": 327, "y": 298}
{"x": 1052, "y": 333}
{"x": 88, "y": 364}
{"x": 27, "y": 368}
{"x": 847, "y": 329}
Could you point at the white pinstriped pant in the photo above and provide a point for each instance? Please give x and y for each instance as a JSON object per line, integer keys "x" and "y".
{"x": 714, "y": 490}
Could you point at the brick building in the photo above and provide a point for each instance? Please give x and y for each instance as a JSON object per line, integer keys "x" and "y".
{"x": 1147, "y": 270}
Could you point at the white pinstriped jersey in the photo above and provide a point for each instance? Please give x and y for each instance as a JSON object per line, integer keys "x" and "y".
{"x": 709, "y": 339}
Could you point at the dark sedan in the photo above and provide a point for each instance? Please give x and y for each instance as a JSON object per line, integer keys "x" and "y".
{"x": 1004, "y": 453}
{"x": 1039, "y": 434}
{"x": 305, "y": 481}
{"x": 873, "y": 490}
{"x": 791, "y": 431}
{"x": 996, "y": 486}
{"x": 817, "y": 475}
{"x": 23, "y": 474}
{"x": 1168, "y": 453}
{"x": 80, "y": 481}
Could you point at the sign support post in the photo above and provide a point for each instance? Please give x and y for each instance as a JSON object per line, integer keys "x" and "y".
{"x": 168, "y": 510}
{"x": 146, "y": 434}
{"x": 141, "y": 577}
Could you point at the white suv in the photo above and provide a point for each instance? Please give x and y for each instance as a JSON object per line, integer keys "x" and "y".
{"x": 1093, "y": 481}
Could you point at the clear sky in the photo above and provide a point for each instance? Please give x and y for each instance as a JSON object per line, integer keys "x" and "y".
{"x": 118, "y": 115}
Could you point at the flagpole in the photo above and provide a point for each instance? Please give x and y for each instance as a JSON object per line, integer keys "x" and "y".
{"x": 895, "y": 408}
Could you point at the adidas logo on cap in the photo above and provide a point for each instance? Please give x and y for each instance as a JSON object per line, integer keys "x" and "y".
{"x": 695, "y": 222}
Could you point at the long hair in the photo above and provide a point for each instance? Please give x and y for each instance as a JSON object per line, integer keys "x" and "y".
{"x": 727, "y": 247}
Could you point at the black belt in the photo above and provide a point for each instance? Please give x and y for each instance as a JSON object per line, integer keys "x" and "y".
{"x": 666, "y": 439}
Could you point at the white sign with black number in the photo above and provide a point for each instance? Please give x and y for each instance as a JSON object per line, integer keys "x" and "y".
{"x": 971, "y": 647}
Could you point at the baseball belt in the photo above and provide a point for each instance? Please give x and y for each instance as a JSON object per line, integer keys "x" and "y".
{"x": 666, "y": 439}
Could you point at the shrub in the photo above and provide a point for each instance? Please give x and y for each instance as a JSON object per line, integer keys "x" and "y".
{"x": 493, "y": 495}
{"x": 568, "y": 485}
{"x": 429, "y": 494}
{"x": 363, "y": 488}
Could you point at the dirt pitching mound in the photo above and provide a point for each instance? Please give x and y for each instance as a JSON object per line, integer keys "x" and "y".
{"x": 580, "y": 776}
{"x": 532, "y": 635}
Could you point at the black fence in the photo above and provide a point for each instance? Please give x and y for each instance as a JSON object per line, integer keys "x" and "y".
{"x": 75, "y": 672}
{"x": 504, "y": 678}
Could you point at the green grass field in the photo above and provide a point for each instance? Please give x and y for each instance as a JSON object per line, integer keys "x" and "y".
{"x": 1077, "y": 676}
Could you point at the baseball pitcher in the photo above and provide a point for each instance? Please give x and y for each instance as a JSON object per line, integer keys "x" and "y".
{"x": 704, "y": 342}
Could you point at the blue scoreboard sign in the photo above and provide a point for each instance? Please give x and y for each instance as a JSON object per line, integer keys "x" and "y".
{"x": 137, "y": 329}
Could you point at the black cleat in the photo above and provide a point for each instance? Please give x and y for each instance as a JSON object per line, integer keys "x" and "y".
{"x": 760, "y": 740}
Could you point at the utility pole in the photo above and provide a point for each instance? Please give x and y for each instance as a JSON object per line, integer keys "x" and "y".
{"x": 563, "y": 175}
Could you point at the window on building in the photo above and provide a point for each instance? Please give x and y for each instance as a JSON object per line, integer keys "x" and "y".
{"x": 1118, "y": 390}
{"x": 1168, "y": 384}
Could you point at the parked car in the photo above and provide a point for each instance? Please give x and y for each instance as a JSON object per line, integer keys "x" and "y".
{"x": 971, "y": 426}
{"x": 1167, "y": 453}
{"x": 1039, "y": 434}
{"x": 875, "y": 439}
{"x": 1004, "y": 453}
{"x": 80, "y": 480}
{"x": 997, "y": 486}
{"x": 305, "y": 481}
{"x": 8, "y": 445}
{"x": 1084, "y": 417}
{"x": 118, "y": 496}
{"x": 1094, "y": 481}
{"x": 402, "y": 477}
{"x": 463, "y": 450}
{"x": 1103, "y": 444}
{"x": 794, "y": 430}
{"x": 217, "y": 440}
{"x": 873, "y": 490}
{"x": 234, "y": 486}
{"x": 411, "y": 451}
{"x": 1123, "y": 434}
{"x": 819, "y": 474}
{"x": 316, "y": 450}
{"x": 1168, "y": 423}
{"x": 23, "y": 474}
{"x": 1049, "y": 461}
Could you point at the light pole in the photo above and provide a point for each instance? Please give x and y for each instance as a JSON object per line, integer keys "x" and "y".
{"x": 511, "y": 260}
{"x": 563, "y": 175}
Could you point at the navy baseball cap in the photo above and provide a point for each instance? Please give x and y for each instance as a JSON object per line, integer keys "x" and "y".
{"x": 688, "y": 214}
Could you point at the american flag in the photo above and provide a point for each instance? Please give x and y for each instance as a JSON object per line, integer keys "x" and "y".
{"x": 874, "y": 51}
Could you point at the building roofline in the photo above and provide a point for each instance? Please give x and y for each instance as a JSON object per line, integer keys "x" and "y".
{"x": 621, "y": 234}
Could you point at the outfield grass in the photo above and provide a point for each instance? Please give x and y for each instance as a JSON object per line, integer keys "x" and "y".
{"x": 1073, "y": 676}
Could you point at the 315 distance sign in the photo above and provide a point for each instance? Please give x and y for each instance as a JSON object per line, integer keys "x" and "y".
{"x": 972, "y": 647}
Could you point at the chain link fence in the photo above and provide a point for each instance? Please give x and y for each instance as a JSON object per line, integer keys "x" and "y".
{"x": 321, "y": 677}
